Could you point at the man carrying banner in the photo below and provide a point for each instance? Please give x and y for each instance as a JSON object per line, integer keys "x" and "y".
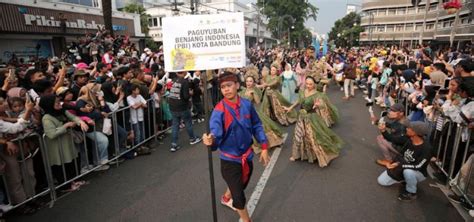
{"x": 233, "y": 124}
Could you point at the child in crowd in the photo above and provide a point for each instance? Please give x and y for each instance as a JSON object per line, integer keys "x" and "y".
{"x": 137, "y": 104}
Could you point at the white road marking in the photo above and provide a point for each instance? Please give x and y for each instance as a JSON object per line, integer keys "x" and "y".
{"x": 257, "y": 192}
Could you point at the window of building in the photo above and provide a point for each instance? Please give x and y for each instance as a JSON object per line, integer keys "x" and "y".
{"x": 80, "y": 2}
{"x": 409, "y": 27}
{"x": 399, "y": 28}
{"x": 418, "y": 27}
{"x": 382, "y": 12}
{"x": 440, "y": 24}
{"x": 433, "y": 7}
{"x": 430, "y": 26}
{"x": 161, "y": 24}
{"x": 392, "y": 11}
{"x": 155, "y": 22}
{"x": 411, "y": 10}
{"x": 390, "y": 28}
{"x": 421, "y": 9}
{"x": 380, "y": 28}
{"x": 466, "y": 21}
{"x": 150, "y": 22}
{"x": 401, "y": 11}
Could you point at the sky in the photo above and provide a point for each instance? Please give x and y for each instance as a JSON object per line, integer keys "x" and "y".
{"x": 329, "y": 12}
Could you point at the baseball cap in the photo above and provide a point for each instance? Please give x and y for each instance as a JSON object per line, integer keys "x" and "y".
{"x": 398, "y": 107}
{"x": 420, "y": 128}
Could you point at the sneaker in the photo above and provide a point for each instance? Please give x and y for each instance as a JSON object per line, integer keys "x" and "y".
{"x": 5, "y": 207}
{"x": 174, "y": 148}
{"x": 195, "y": 140}
{"x": 407, "y": 196}
{"x": 102, "y": 168}
{"x": 117, "y": 161}
{"x": 227, "y": 203}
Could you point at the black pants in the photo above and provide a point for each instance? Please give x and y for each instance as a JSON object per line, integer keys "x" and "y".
{"x": 232, "y": 174}
{"x": 70, "y": 169}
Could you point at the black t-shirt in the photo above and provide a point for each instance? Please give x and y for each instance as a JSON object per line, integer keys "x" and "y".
{"x": 179, "y": 98}
{"x": 414, "y": 157}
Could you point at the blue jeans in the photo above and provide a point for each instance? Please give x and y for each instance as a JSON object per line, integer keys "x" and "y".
{"x": 122, "y": 138}
{"x": 177, "y": 117}
{"x": 139, "y": 132}
{"x": 102, "y": 143}
{"x": 412, "y": 178}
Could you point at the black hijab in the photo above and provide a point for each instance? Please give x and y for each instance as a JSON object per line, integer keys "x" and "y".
{"x": 47, "y": 105}
{"x": 109, "y": 95}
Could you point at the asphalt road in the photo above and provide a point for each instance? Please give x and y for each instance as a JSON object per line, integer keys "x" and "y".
{"x": 175, "y": 186}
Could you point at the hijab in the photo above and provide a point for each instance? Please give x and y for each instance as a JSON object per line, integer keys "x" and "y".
{"x": 15, "y": 92}
{"x": 109, "y": 95}
{"x": 47, "y": 104}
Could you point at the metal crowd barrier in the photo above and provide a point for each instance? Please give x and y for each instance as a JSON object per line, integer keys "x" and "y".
{"x": 119, "y": 118}
{"x": 26, "y": 183}
{"x": 452, "y": 141}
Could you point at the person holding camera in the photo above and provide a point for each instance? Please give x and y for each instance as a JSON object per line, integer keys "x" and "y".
{"x": 393, "y": 134}
{"x": 410, "y": 166}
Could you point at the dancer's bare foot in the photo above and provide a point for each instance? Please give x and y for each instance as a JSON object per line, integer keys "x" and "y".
{"x": 292, "y": 159}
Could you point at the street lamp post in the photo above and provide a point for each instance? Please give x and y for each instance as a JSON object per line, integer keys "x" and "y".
{"x": 279, "y": 23}
{"x": 258, "y": 18}
{"x": 289, "y": 32}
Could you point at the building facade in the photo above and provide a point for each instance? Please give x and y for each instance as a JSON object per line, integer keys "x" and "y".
{"x": 400, "y": 22}
{"x": 44, "y": 27}
{"x": 255, "y": 32}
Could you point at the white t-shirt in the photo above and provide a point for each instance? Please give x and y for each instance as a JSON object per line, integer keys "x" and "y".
{"x": 136, "y": 115}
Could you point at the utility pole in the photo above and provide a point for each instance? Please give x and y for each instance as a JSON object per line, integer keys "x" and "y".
{"x": 453, "y": 30}
{"x": 402, "y": 41}
{"x": 427, "y": 7}
{"x": 416, "y": 2}
{"x": 175, "y": 9}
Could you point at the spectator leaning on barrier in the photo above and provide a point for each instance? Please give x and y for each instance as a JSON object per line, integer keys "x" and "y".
{"x": 393, "y": 134}
{"x": 179, "y": 100}
{"x": 61, "y": 148}
{"x": 410, "y": 166}
{"x": 19, "y": 186}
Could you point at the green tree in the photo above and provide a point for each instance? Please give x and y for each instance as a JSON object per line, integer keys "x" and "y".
{"x": 107, "y": 14}
{"x": 283, "y": 14}
{"x": 346, "y": 31}
{"x": 139, "y": 9}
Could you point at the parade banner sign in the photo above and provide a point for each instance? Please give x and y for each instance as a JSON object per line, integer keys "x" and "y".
{"x": 202, "y": 42}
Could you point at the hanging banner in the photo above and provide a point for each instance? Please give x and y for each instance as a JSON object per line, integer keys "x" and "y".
{"x": 203, "y": 42}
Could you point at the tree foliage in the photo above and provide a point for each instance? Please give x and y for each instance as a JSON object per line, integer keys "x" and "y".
{"x": 349, "y": 33}
{"x": 280, "y": 12}
{"x": 144, "y": 17}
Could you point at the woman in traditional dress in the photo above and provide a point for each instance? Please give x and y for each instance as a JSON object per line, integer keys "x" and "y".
{"x": 273, "y": 132}
{"x": 313, "y": 140}
{"x": 273, "y": 102}
{"x": 289, "y": 84}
